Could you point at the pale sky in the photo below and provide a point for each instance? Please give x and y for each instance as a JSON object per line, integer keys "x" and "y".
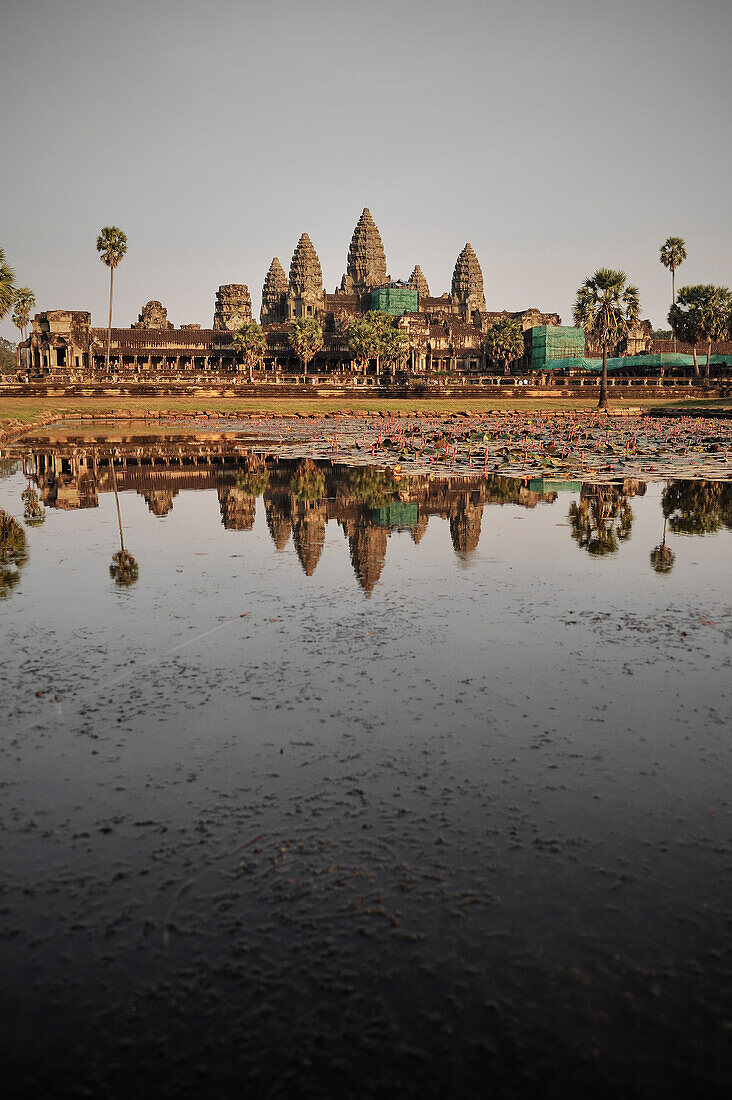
{"x": 557, "y": 136}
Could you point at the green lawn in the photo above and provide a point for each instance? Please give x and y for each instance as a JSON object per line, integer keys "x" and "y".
{"x": 30, "y": 410}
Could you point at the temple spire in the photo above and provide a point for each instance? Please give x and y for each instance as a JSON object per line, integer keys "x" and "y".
{"x": 467, "y": 282}
{"x": 305, "y": 293}
{"x": 305, "y": 270}
{"x": 366, "y": 257}
{"x": 419, "y": 282}
{"x": 274, "y": 293}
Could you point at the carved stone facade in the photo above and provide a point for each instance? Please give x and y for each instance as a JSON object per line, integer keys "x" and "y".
{"x": 153, "y": 315}
{"x": 233, "y": 307}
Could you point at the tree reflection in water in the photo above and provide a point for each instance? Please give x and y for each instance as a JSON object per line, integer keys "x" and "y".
{"x": 372, "y": 486}
{"x": 302, "y": 497}
{"x": 662, "y": 557}
{"x": 34, "y": 513}
{"x": 13, "y": 552}
{"x": 697, "y": 507}
{"x": 308, "y": 481}
{"x": 123, "y": 570}
{"x": 601, "y": 519}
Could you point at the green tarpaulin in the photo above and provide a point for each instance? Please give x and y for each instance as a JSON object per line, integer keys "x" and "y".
{"x": 396, "y": 514}
{"x": 543, "y": 485}
{"x": 395, "y": 299}
{"x": 638, "y": 363}
{"x": 550, "y": 342}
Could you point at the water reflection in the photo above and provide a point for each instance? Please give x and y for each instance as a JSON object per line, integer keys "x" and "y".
{"x": 603, "y": 517}
{"x": 698, "y": 507}
{"x": 662, "y": 556}
{"x": 34, "y": 513}
{"x": 13, "y": 552}
{"x": 123, "y": 570}
{"x": 301, "y": 497}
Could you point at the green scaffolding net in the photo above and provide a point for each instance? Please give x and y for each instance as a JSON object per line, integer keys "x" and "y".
{"x": 638, "y": 363}
{"x": 550, "y": 342}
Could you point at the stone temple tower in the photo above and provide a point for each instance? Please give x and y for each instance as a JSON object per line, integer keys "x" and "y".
{"x": 274, "y": 295}
{"x": 467, "y": 284}
{"x": 233, "y": 307}
{"x": 305, "y": 293}
{"x": 366, "y": 259}
{"x": 419, "y": 282}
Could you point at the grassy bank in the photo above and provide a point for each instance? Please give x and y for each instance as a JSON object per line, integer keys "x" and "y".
{"x": 30, "y": 411}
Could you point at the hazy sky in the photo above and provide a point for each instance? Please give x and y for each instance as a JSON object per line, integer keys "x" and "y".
{"x": 557, "y": 136}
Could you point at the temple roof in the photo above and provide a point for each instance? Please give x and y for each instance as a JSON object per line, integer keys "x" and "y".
{"x": 366, "y": 256}
{"x": 419, "y": 282}
{"x": 305, "y": 270}
{"x": 467, "y": 279}
{"x": 138, "y": 340}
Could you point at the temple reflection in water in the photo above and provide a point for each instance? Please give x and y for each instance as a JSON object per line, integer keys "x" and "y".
{"x": 301, "y": 497}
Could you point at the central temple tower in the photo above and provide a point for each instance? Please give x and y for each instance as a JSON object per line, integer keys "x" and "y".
{"x": 366, "y": 259}
{"x": 305, "y": 293}
{"x": 467, "y": 284}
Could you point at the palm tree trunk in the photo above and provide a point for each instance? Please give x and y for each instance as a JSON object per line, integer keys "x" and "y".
{"x": 109, "y": 326}
{"x": 602, "y": 403}
{"x": 673, "y": 297}
{"x": 709, "y": 361}
{"x": 696, "y": 362}
{"x": 116, "y": 501}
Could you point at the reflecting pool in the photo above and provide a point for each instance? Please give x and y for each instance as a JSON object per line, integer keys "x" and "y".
{"x": 324, "y": 780}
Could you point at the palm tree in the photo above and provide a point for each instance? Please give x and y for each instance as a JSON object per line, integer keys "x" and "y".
{"x": 393, "y": 348}
{"x": 705, "y": 312}
{"x": 25, "y": 301}
{"x": 123, "y": 569}
{"x": 673, "y": 254}
{"x": 111, "y": 246}
{"x": 250, "y": 342}
{"x": 684, "y": 320}
{"x": 362, "y": 340}
{"x": 716, "y": 320}
{"x": 7, "y": 288}
{"x": 306, "y": 339}
{"x": 606, "y": 307}
{"x": 504, "y": 342}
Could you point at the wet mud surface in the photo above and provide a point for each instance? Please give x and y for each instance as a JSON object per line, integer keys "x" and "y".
{"x": 280, "y": 823}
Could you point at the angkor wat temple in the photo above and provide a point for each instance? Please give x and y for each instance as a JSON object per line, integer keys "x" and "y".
{"x": 445, "y": 332}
